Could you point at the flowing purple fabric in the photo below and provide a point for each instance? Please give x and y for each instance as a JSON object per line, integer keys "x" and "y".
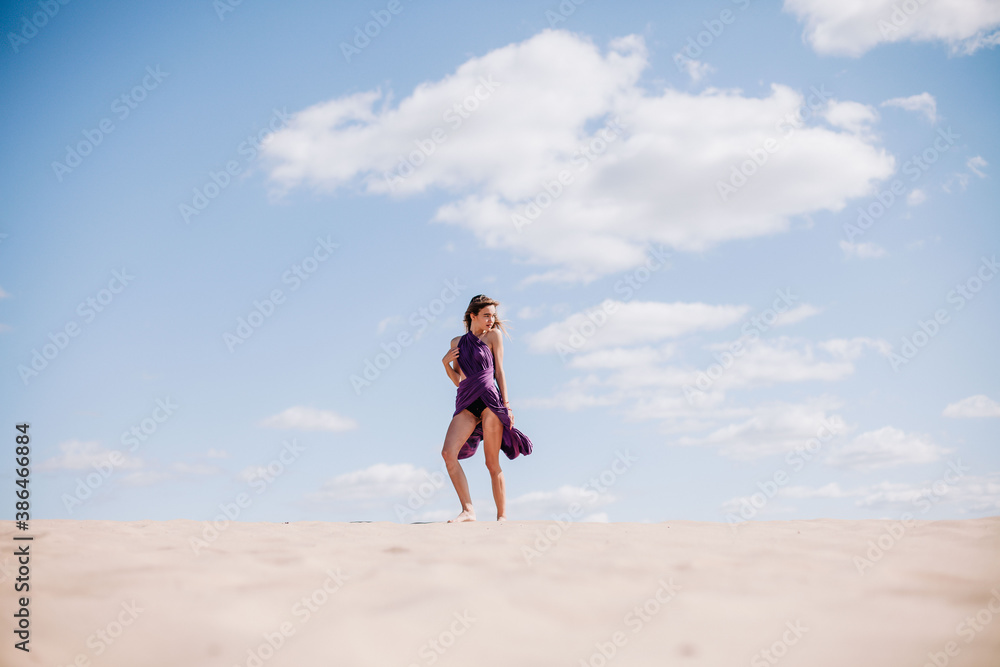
{"x": 476, "y": 360}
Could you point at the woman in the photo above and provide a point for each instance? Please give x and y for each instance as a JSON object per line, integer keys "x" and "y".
{"x": 481, "y": 412}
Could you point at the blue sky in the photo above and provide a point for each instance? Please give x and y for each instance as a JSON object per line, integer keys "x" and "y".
{"x": 676, "y": 172}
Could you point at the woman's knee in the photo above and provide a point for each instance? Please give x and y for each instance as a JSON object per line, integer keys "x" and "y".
{"x": 493, "y": 465}
{"x": 450, "y": 456}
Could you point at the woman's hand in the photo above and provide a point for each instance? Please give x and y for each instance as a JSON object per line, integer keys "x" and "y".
{"x": 451, "y": 356}
{"x": 510, "y": 413}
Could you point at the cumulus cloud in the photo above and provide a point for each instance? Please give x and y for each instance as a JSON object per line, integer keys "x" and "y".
{"x": 616, "y": 323}
{"x": 562, "y": 135}
{"x": 979, "y": 405}
{"x": 976, "y": 164}
{"x": 797, "y": 314}
{"x": 884, "y": 448}
{"x": 966, "y": 493}
{"x": 85, "y": 455}
{"x": 375, "y": 483}
{"x": 852, "y": 28}
{"x": 774, "y": 428}
{"x": 310, "y": 419}
{"x": 546, "y": 504}
{"x": 854, "y": 117}
{"x": 916, "y": 197}
{"x": 864, "y": 250}
{"x": 923, "y": 103}
{"x": 979, "y": 494}
{"x": 696, "y": 69}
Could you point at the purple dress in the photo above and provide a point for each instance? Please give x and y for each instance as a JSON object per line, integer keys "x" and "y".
{"x": 476, "y": 360}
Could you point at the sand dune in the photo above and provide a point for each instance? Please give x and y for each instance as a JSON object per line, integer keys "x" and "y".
{"x": 517, "y": 594}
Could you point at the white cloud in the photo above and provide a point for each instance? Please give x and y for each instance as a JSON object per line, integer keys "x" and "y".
{"x": 696, "y": 69}
{"x": 852, "y": 28}
{"x": 854, "y": 117}
{"x": 80, "y": 455}
{"x": 976, "y": 164}
{"x": 646, "y": 388}
{"x": 3, "y": 294}
{"x": 850, "y": 349}
{"x": 651, "y": 179}
{"x": 378, "y": 482}
{"x": 385, "y": 323}
{"x": 979, "y": 405}
{"x": 310, "y": 419}
{"x": 967, "y": 494}
{"x": 796, "y": 314}
{"x": 971, "y": 494}
{"x": 831, "y": 490}
{"x": 183, "y": 468}
{"x": 916, "y": 197}
{"x": 863, "y": 250}
{"x": 774, "y": 428}
{"x": 923, "y": 103}
{"x": 545, "y": 504}
{"x": 531, "y": 312}
{"x": 884, "y": 448}
{"x": 618, "y": 357}
{"x": 631, "y": 322}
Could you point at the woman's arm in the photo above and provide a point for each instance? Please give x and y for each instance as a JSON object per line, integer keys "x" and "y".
{"x": 451, "y": 357}
{"x": 497, "y": 346}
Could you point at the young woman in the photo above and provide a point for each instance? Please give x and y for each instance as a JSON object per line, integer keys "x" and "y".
{"x": 482, "y": 412}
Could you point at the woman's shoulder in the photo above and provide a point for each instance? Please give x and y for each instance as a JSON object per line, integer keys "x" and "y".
{"x": 454, "y": 341}
{"x": 493, "y": 337}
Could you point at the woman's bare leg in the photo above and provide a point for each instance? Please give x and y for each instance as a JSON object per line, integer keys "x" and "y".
{"x": 492, "y": 439}
{"x": 461, "y": 427}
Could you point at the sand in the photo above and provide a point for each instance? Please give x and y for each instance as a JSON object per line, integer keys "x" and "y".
{"x": 517, "y": 594}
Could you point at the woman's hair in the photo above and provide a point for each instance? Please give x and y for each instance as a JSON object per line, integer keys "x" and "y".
{"x": 479, "y": 302}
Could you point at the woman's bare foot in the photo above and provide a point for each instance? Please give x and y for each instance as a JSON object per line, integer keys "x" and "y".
{"x": 501, "y": 518}
{"x": 466, "y": 515}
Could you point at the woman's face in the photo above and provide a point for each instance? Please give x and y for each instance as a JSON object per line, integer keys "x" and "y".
{"x": 486, "y": 318}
